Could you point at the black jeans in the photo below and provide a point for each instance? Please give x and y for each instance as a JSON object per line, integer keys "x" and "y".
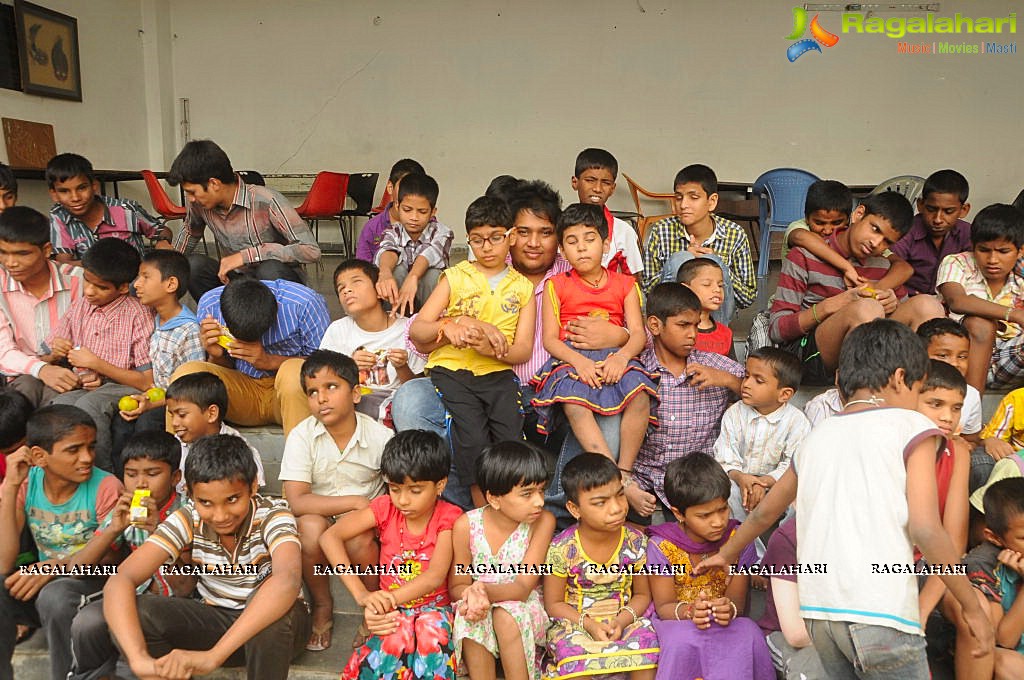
{"x": 177, "y": 623}
{"x": 203, "y": 276}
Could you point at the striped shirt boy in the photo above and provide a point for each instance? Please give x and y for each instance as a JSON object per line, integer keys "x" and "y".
{"x": 227, "y": 578}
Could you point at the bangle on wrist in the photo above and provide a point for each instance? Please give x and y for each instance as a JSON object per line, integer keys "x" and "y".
{"x": 627, "y": 608}
{"x": 814, "y": 313}
{"x": 579, "y": 624}
{"x": 440, "y": 329}
{"x": 735, "y": 611}
{"x": 688, "y": 611}
{"x": 1006, "y": 317}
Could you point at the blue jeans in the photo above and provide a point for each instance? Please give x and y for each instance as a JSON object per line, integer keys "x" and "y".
{"x": 554, "y": 497}
{"x": 860, "y": 650}
{"x": 981, "y": 468}
{"x": 724, "y": 313}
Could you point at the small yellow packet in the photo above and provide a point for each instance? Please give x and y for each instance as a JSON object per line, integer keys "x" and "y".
{"x": 137, "y": 512}
{"x": 225, "y": 338}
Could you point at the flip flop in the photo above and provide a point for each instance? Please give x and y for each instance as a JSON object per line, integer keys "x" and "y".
{"x": 361, "y": 636}
{"x": 320, "y": 638}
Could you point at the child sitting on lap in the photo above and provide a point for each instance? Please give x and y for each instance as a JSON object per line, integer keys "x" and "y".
{"x": 598, "y": 382}
{"x": 500, "y": 613}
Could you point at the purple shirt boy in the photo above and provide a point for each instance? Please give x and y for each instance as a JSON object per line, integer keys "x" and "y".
{"x": 918, "y": 249}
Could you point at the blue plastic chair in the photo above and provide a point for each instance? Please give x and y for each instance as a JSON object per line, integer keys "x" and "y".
{"x": 781, "y": 193}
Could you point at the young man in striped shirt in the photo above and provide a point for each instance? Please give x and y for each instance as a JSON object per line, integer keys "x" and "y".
{"x": 813, "y": 309}
{"x": 245, "y": 553}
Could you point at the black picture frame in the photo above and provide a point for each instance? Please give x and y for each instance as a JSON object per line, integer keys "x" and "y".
{"x": 10, "y": 69}
{"x": 48, "y": 52}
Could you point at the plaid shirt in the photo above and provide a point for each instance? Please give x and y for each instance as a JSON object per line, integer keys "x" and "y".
{"x": 688, "y": 418}
{"x": 126, "y": 220}
{"x": 434, "y": 245}
{"x": 117, "y": 332}
{"x": 25, "y": 320}
{"x": 302, "y": 320}
{"x": 175, "y": 342}
{"x": 260, "y": 224}
{"x": 728, "y": 240}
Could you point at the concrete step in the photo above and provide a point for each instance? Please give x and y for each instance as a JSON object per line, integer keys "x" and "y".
{"x": 31, "y": 659}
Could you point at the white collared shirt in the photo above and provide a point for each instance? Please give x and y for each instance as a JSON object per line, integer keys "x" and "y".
{"x": 760, "y": 444}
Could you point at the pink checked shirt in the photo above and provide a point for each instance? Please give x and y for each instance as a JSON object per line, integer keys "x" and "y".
{"x": 118, "y": 332}
{"x": 25, "y": 320}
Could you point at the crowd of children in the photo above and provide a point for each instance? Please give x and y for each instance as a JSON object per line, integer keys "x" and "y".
{"x": 595, "y": 484}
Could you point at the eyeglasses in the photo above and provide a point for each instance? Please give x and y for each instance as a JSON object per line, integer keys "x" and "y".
{"x": 494, "y": 239}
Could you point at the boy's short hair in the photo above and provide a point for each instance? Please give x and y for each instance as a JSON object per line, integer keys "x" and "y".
{"x": 946, "y": 182}
{"x": 488, "y": 211}
{"x": 701, "y": 174}
{"x": 337, "y": 363}
{"x": 50, "y": 424}
{"x": 941, "y": 325}
{"x": 872, "y": 352}
{"x": 671, "y": 299}
{"x": 7, "y": 179}
{"x": 537, "y": 197}
{"x": 170, "y": 263}
{"x": 1003, "y": 501}
{"x": 417, "y": 455}
{"x": 997, "y": 222}
{"x": 828, "y": 195}
{"x": 219, "y": 457}
{"x": 587, "y": 471}
{"x": 249, "y": 308}
{"x": 502, "y": 187}
{"x": 694, "y": 480}
{"x": 893, "y": 207}
{"x": 22, "y": 224}
{"x": 787, "y": 368}
{"x": 198, "y": 162}
{"x": 591, "y": 158}
{"x": 113, "y": 260}
{"x": 944, "y": 376}
{"x": 204, "y": 389}
{"x": 15, "y": 410}
{"x": 688, "y": 270}
{"x": 65, "y": 166}
{"x": 371, "y": 270}
{"x": 503, "y": 466}
{"x": 404, "y": 167}
{"x": 156, "y": 445}
{"x": 581, "y": 213}
{"x": 418, "y": 184}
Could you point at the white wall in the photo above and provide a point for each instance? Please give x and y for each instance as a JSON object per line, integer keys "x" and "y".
{"x": 109, "y": 125}
{"x": 476, "y": 88}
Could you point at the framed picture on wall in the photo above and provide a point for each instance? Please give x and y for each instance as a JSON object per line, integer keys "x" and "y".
{"x": 48, "y": 52}
{"x": 10, "y": 70}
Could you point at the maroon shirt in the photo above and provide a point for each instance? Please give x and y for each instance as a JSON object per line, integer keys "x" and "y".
{"x": 780, "y": 553}
{"x": 918, "y": 249}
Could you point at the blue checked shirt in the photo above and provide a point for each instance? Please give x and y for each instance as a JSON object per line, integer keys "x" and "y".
{"x": 175, "y": 342}
{"x": 302, "y": 320}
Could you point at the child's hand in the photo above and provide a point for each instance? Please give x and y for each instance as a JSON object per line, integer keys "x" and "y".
{"x": 119, "y": 515}
{"x": 887, "y": 298}
{"x": 1012, "y": 559}
{"x": 405, "y": 301}
{"x": 460, "y": 334}
{"x": 702, "y": 613}
{"x": 642, "y": 502}
{"x": 59, "y": 348}
{"x": 144, "y": 405}
{"x": 209, "y": 333}
{"x": 752, "y": 498}
{"x": 251, "y": 352}
{"x": 381, "y": 624}
{"x": 716, "y": 561}
{"x": 364, "y": 360}
{"x": 91, "y": 380}
{"x": 18, "y": 464}
{"x": 705, "y": 376}
{"x": 497, "y": 340}
{"x": 26, "y": 586}
{"x": 399, "y": 358}
{"x": 997, "y": 448}
{"x": 721, "y": 609}
{"x": 586, "y": 372}
{"x": 699, "y": 251}
{"x": 83, "y": 357}
{"x": 477, "y": 602}
{"x": 387, "y": 287}
{"x": 611, "y": 369}
{"x": 852, "y": 278}
{"x": 379, "y": 602}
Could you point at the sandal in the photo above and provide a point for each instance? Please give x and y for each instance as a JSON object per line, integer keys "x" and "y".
{"x": 320, "y": 638}
{"x": 361, "y": 636}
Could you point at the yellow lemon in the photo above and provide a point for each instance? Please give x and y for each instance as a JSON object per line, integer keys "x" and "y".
{"x": 127, "y": 404}
{"x": 155, "y": 394}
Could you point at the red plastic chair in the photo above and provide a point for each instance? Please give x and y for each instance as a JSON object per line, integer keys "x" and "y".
{"x": 384, "y": 200}
{"x": 325, "y": 201}
{"x": 161, "y": 201}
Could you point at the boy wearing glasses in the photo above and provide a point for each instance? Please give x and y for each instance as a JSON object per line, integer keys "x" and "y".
{"x": 477, "y": 324}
